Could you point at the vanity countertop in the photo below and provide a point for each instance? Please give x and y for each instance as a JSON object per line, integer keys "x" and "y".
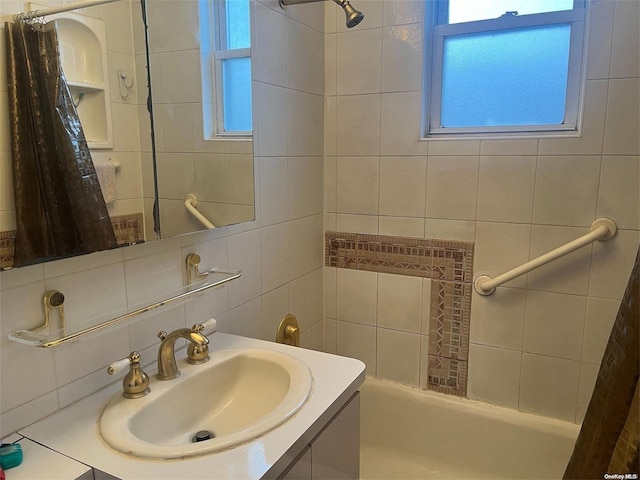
{"x": 73, "y": 431}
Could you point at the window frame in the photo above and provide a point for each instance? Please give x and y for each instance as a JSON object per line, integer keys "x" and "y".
{"x": 434, "y": 46}
{"x": 221, "y": 53}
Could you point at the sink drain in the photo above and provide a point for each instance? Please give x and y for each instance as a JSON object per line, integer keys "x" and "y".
{"x": 202, "y": 436}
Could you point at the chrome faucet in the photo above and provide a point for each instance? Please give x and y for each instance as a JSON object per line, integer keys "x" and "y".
{"x": 167, "y": 368}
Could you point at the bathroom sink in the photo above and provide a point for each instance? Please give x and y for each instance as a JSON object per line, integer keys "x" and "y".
{"x": 239, "y": 395}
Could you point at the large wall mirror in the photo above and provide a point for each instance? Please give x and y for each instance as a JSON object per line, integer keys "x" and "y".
{"x": 195, "y": 147}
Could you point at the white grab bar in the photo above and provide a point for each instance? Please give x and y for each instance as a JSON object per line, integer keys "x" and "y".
{"x": 601, "y": 229}
{"x": 190, "y": 202}
{"x": 43, "y": 12}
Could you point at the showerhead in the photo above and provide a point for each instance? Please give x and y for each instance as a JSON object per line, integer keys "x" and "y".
{"x": 354, "y": 17}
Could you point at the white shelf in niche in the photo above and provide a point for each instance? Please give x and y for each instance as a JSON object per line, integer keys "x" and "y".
{"x": 83, "y": 53}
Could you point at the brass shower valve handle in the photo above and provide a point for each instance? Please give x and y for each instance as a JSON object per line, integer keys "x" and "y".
{"x": 135, "y": 383}
{"x": 289, "y": 331}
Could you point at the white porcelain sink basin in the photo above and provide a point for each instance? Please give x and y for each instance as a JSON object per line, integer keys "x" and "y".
{"x": 238, "y": 395}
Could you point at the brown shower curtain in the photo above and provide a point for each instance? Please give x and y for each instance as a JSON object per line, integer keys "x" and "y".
{"x": 608, "y": 440}
{"x": 60, "y": 210}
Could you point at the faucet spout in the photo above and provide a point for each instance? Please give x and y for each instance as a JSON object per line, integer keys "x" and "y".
{"x": 167, "y": 368}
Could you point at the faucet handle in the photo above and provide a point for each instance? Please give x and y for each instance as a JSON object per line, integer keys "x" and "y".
{"x": 162, "y": 334}
{"x": 209, "y": 326}
{"x": 197, "y": 354}
{"x": 115, "y": 367}
{"x": 136, "y": 382}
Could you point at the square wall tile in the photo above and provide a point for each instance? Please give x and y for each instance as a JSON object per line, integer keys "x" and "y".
{"x": 330, "y": 177}
{"x": 549, "y": 386}
{"x": 498, "y": 320}
{"x": 270, "y": 37}
{"x": 619, "y": 192}
{"x": 400, "y": 12}
{"x": 275, "y": 305}
{"x": 611, "y": 264}
{"x": 566, "y": 190}
{"x": 358, "y": 185}
{"x": 330, "y": 292}
{"x": 357, "y": 223}
{"x": 554, "y": 324}
{"x": 403, "y": 184}
{"x": 274, "y": 190}
{"x": 244, "y": 254}
{"x": 357, "y": 293}
{"x": 505, "y": 188}
{"x": 274, "y": 254}
{"x": 600, "y": 36}
{"x": 305, "y": 186}
{"x": 625, "y": 50}
{"x": 398, "y": 356}
{"x": 330, "y": 63}
{"x": 330, "y": 335}
{"x": 305, "y": 245}
{"x": 399, "y": 302}
{"x": 623, "y": 117}
{"x": 452, "y": 185}
{"x": 401, "y": 226}
{"x": 271, "y": 109}
{"x": 359, "y": 61}
{"x": 494, "y": 375}
{"x": 358, "y": 125}
{"x": 402, "y": 52}
{"x": 400, "y": 119}
{"x": 300, "y": 129}
{"x": 305, "y": 299}
{"x": 461, "y": 230}
{"x": 601, "y": 315}
{"x": 305, "y": 58}
{"x": 358, "y": 341}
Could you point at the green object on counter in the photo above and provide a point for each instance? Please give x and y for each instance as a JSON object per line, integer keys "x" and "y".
{"x": 10, "y": 455}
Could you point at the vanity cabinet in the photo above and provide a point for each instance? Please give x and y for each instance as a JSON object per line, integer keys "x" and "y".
{"x": 334, "y": 453}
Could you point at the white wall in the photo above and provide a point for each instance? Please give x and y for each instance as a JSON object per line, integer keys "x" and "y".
{"x": 537, "y": 343}
{"x": 280, "y": 252}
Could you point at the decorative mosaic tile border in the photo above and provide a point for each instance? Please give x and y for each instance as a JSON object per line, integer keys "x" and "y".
{"x": 450, "y": 266}
{"x": 129, "y": 229}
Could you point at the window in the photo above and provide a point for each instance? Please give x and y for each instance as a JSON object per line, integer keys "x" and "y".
{"x": 504, "y": 66}
{"x": 225, "y": 48}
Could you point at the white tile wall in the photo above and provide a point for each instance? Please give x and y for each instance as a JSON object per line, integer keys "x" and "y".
{"x": 276, "y": 278}
{"x": 515, "y": 198}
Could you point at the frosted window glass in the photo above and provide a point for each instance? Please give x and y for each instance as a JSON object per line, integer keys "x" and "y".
{"x": 471, "y": 10}
{"x": 511, "y": 77}
{"x": 236, "y": 88}
{"x": 238, "y": 35}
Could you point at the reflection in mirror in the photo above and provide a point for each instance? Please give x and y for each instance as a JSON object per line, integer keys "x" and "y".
{"x": 201, "y": 102}
{"x": 199, "y": 58}
{"x": 98, "y": 169}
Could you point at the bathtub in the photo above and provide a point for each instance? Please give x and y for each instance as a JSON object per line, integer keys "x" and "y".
{"x": 409, "y": 433}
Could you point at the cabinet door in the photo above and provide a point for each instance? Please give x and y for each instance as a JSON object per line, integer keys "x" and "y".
{"x": 336, "y": 450}
{"x": 300, "y": 468}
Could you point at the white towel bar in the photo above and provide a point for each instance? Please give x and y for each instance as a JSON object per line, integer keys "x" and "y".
{"x": 190, "y": 202}
{"x": 601, "y": 229}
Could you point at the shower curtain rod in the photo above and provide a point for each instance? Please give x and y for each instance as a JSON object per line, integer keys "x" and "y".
{"x": 43, "y": 12}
